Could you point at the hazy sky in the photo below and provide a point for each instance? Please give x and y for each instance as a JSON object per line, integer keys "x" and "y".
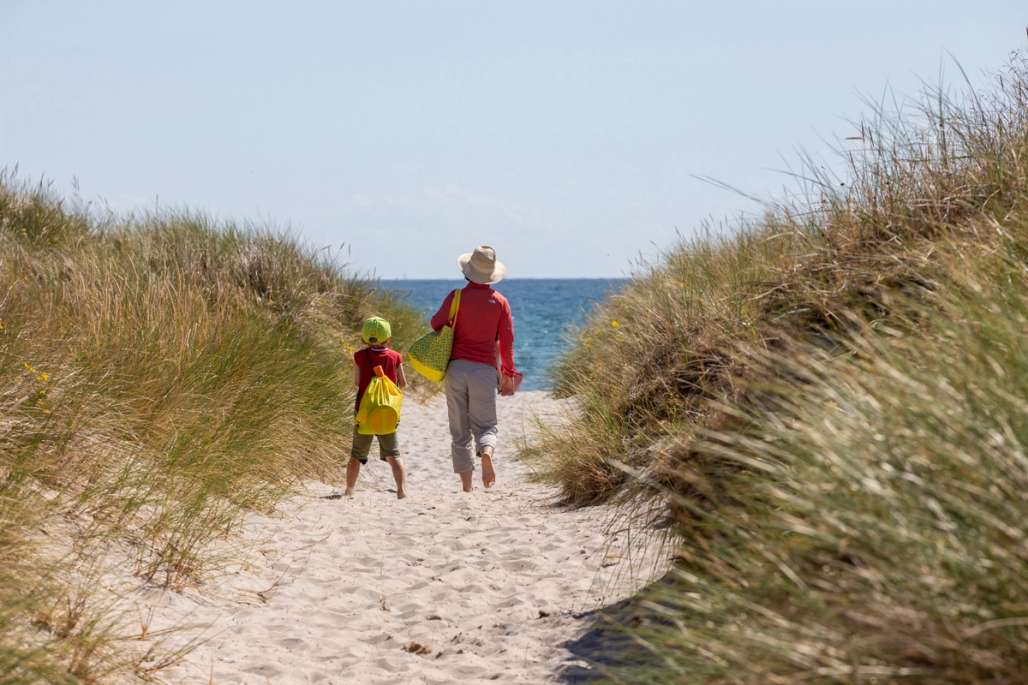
{"x": 566, "y": 134}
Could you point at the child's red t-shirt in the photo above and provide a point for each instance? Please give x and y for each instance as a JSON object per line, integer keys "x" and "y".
{"x": 370, "y": 357}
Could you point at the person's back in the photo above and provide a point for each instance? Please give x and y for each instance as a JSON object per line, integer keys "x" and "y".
{"x": 483, "y": 321}
{"x": 367, "y": 359}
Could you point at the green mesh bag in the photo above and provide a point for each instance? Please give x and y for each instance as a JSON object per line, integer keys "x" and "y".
{"x": 430, "y": 354}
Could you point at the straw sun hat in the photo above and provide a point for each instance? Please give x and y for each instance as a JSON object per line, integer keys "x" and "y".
{"x": 481, "y": 266}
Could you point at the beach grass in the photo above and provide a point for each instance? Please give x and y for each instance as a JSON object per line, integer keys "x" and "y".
{"x": 160, "y": 376}
{"x": 924, "y": 194}
{"x": 830, "y": 406}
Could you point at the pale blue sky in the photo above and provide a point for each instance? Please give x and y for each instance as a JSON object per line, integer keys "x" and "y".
{"x": 566, "y": 134}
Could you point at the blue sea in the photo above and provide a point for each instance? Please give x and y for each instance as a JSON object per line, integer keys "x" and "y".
{"x": 544, "y": 309}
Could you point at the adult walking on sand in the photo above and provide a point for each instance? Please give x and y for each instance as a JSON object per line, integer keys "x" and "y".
{"x": 481, "y": 363}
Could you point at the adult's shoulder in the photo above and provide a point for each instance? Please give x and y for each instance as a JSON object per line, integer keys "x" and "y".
{"x": 500, "y": 297}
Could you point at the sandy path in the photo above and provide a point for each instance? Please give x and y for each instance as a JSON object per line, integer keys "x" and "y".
{"x": 333, "y": 590}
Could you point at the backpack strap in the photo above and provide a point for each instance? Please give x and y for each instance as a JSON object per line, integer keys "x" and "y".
{"x": 454, "y": 308}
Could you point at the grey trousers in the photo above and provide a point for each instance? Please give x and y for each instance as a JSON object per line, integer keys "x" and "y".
{"x": 471, "y": 405}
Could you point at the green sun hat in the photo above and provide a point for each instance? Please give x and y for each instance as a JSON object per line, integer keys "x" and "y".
{"x": 376, "y": 330}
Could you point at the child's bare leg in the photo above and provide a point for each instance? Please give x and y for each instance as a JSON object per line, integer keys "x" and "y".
{"x": 488, "y": 474}
{"x": 399, "y": 475}
{"x": 465, "y": 480}
{"x": 353, "y": 469}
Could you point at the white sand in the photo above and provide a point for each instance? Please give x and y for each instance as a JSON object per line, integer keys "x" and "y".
{"x": 490, "y": 584}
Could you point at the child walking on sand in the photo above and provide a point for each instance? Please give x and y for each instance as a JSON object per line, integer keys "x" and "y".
{"x": 376, "y": 334}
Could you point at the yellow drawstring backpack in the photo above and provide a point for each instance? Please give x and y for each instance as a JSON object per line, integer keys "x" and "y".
{"x": 379, "y": 410}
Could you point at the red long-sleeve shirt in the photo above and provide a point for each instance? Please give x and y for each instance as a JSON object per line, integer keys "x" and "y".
{"x": 483, "y": 320}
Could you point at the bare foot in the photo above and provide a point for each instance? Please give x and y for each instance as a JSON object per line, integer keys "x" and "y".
{"x": 465, "y": 481}
{"x": 400, "y": 494}
{"x": 488, "y": 474}
{"x": 348, "y": 493}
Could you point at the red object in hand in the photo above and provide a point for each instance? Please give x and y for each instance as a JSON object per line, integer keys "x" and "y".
{"x": 510, "y": 384}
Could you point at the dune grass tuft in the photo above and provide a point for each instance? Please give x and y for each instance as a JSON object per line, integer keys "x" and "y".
{"x": 657, "y": 362}
{"x": 159, "y": 377}
{"x": 830, "y": 405}
{"x": 876, "y": 532}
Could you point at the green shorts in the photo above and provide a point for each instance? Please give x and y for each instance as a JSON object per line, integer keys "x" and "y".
{"x": 388, "y": 446}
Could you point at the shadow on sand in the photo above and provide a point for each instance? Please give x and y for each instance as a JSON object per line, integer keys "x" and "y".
{"x": 610, "y": 644}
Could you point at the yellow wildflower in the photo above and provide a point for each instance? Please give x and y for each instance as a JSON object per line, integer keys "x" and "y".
{"x": 615, "y": 324}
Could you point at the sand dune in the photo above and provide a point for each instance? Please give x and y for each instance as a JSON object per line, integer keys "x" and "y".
{"x": 441, "y": 587}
